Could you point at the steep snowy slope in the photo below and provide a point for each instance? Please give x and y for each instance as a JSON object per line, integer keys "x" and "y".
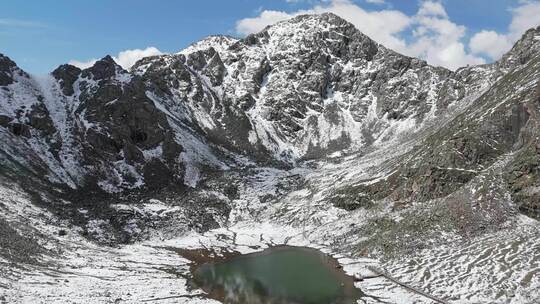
{"x": 99, "y": 127}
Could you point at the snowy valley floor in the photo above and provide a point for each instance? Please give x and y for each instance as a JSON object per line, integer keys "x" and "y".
{"x": 500, "y": 267}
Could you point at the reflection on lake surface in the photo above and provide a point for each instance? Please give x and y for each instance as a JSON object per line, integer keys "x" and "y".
{"x": 282, "y": 274}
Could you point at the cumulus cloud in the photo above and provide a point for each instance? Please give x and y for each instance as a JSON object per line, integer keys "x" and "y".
{"x": 439, "y": 40}
{"x": 431, "y": 8}
{"x": 376, "y": 1}
{"x": 435, "y": 37}
{"x": 125, "y": 59}
{"x": 128, "y": 58}
{"x": 494, "y": 44}
{"x": 252, "y": 25}
{"x": 524, "y": 17}
{"x": 83, "y": 64}
{"x": 490, "y": 43}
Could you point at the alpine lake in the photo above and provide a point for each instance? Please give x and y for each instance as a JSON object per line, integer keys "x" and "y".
{"x": 276, "y": 275}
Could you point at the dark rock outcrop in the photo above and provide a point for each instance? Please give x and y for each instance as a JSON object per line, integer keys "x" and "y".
{"x": 67, "y": 75}
{"x": 7, "y": 68}
{"x": 102, "y": 69}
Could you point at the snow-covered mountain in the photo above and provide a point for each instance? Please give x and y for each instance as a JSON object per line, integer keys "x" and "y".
{"x": 304, "y": 123}
{"x": 301, "y": 89}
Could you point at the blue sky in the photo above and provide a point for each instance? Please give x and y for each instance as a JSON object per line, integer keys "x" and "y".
{"x": 41, "y": 36}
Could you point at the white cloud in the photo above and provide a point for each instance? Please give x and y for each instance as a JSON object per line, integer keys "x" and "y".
{"x": 128, "y": 58}
{"x": 494, "y": 44}
{"x": 431, "y": 8}
{"x": 490, "y": 43}
{"x": 524, "y": 17}
{"x": 439, "y": 40}
{"x": 376, "y": 1}
{"x": 252, "y": 25}
{"x": 83, "y": 64}
{"x": 125, "y": 59}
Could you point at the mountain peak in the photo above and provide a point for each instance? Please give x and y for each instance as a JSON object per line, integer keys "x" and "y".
{"x": 218, "y": 42}
{"x": 325, "y": 17}
{"x": 67, "y": 74}
{"x": 5, "y": 61}
{"x": 324, "y": 33}
{"x": 7, "y": 67}
{"x": 104, "y": 68}
{"x": 321, "y": 21}
{"x": 311, "y": 26}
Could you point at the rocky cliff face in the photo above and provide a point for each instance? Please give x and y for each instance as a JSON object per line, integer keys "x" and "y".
{"x": 304, "y": 88}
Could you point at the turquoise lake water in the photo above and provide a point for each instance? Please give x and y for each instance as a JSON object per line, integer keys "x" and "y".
{"x": 281, "y": 274}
